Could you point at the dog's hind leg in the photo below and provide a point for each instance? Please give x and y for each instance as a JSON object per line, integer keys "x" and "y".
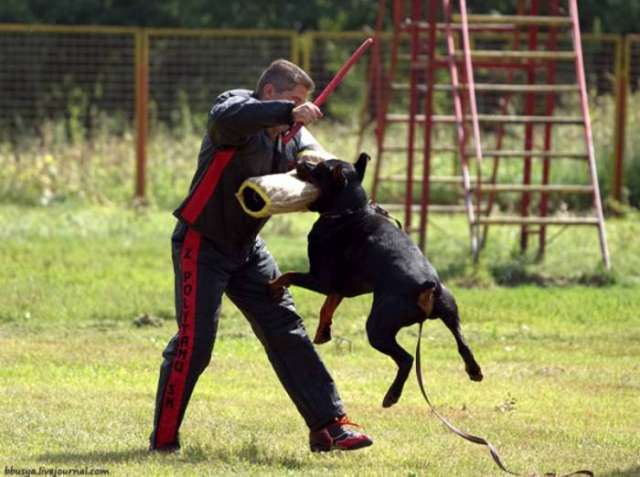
{"x": 323, "y": 333}
{"x": 382, "y": 328}
{"x": 446, "y": 309}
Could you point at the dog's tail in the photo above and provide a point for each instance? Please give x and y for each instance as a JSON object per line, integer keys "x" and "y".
{"x": 432, "y": 284}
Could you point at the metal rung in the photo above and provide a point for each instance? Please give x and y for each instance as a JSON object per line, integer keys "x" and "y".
{"x": 443, "y": 63}
{"x": 521, "y": 154}
{"x": 509, "y": 220}
{"x": 448, "y": 209}
{"x": 569, "y": 188}
{"x": 433, "y": 208}
{"x": 420, "y": 57}
{"x": 527, "y": 88}
{"x": 519, "y": 55}
{"x": 516, "y": 88}
{"x": 492, "y": 118}
{"x": 517, "y": 20}
{"x": 425, "y": 26}
{"x": 433, "y": 179}
{"x": 498, "y": 88}
{"x": 418, "y": 148}
{"x": 404, "y": 118}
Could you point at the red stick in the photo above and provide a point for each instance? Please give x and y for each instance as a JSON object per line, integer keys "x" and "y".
{"x": 337, "y": 79}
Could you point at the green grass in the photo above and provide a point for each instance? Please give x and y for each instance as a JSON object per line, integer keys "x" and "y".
{"x": 77, "y": 378}
{"x": 63, "y": 163}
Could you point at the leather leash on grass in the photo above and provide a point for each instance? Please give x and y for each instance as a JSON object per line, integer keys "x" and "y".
{"x": 470, "y": 437}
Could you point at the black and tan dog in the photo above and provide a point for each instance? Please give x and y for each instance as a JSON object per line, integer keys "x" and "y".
{"x": 354, "y": 249}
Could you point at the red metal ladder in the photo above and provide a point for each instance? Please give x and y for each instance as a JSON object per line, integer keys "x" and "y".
{"x": 412, "y": 22}
{"x": 469, "y": 124}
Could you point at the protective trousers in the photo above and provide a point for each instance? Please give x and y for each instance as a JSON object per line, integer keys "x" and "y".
{"x": 202, "y": 275}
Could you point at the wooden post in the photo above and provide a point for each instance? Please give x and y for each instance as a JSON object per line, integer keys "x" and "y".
{"x": 142, "y": 110}
{"x": 623, "y": 53}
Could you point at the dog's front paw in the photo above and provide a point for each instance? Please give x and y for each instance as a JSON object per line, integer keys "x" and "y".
{"x": 323, "y": 335}
{"x": 277, "y": 287}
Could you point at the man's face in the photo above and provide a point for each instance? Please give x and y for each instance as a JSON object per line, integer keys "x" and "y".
{"x": 299, "y": 95}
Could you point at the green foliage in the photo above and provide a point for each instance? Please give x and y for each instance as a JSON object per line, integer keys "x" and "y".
{"x": 612, "y": 16}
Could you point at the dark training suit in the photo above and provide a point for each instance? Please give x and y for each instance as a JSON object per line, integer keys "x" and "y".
{"x": 216, "y": 250}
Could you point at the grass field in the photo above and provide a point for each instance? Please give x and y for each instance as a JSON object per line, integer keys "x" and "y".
{"x": 560, "y": 353}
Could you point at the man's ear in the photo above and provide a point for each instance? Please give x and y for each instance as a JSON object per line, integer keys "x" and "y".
{"x": 267, "y": 91}
{"x": 339, "y": 178}
{"x": 361, "y": 165}
{"x": 303, "y": 170}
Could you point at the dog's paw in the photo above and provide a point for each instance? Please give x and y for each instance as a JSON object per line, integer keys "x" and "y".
{"x": 276, "y": 289}
{"x": 390, "y": 399}
{"x": 475, "y": 374}
{"x": 323, "y": 335}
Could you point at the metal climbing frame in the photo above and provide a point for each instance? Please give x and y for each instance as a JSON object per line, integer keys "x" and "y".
{"x": 441, "y": 39}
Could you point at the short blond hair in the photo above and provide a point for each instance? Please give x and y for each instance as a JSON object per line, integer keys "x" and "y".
{"x": 284, "y": 76}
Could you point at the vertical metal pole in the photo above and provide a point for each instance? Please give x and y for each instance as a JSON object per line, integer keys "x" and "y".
{"x": 552, "y": 45}
{"x": 529, "y": 129}
{"x": 416, "y": 12}
{"x": 428, "y": 124}
{"x": 623, "y": 49}
{"x": 470, "y": 83}
{"x": 460, "y": 127}
{"x": 142, "y": 109}
{"x": 385, "y": 95}
{"x": 295, "y": 48}
{"x": 307, "y": 40}
{"x": 473, "y": 106}
{"x": 373, "y": 98}
{"x": 588, "y": 136}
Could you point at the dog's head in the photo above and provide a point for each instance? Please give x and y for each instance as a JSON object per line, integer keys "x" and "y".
{"x": 340, "y": 183}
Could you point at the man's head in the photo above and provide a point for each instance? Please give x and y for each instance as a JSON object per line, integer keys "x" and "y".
{"x": 284, "y": 80}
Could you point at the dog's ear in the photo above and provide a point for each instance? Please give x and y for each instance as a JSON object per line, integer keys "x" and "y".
{"x": 304, "y": 171}
{"x": 339, "y": 179}
{"x": 361, "y": 165}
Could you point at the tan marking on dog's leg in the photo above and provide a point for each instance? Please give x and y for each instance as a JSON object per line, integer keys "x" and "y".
{"x": 323, "y": 333}
{"x": 425, "y": 301}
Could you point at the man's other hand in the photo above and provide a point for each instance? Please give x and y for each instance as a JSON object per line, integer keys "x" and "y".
{"x": 306, "y": 113}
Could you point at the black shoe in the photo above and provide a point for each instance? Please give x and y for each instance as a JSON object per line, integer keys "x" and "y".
{"x": 336, "y": 437}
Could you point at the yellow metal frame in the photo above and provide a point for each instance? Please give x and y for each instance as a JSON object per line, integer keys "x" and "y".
{"x": 40, "y": 28}
{"x": 292, "y": 35}
{"x": 141, "y": 96}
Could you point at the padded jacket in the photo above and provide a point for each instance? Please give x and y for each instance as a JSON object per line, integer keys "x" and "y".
{"x": 236, "y": 147}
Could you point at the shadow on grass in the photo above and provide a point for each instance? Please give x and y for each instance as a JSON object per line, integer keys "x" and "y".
{"x": 630, "y": 472}
{"x": 517, "y": 272}
{"x": 249, "y": 452}
{"x": 96, "y": 456}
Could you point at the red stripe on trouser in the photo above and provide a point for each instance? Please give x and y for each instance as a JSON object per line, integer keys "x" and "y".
{"x": 204, "y": 189}
{"x": 175, "y": 385}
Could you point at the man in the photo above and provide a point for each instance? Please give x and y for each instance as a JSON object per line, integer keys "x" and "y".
{"x": 216, "y": 250}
